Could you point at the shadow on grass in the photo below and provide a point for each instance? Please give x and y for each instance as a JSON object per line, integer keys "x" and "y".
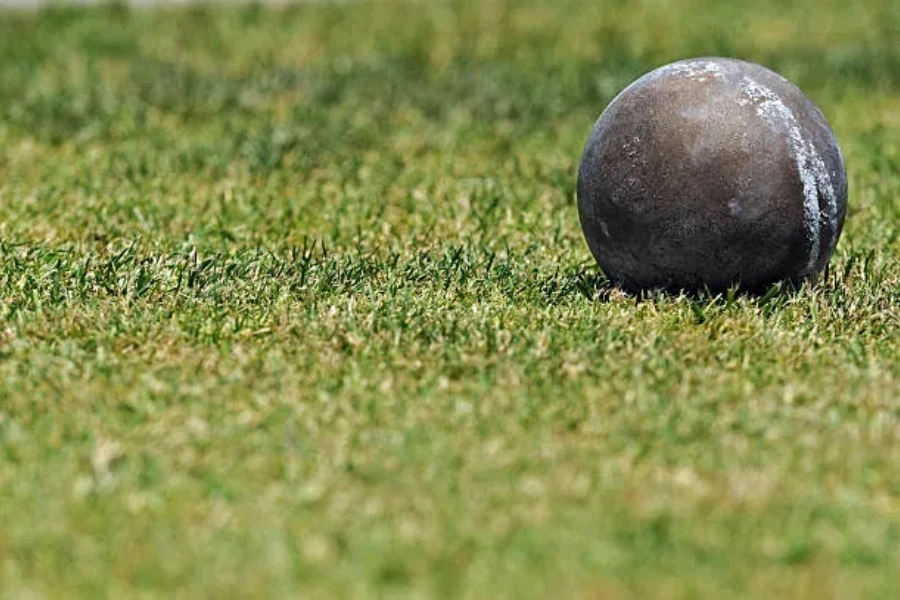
{"x": 593, "y": 285}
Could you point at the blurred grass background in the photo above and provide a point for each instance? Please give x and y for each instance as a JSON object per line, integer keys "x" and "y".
{"x": 294, "y": 302}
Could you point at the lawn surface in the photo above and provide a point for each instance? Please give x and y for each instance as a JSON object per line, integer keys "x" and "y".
{"x": 294, "y": 302}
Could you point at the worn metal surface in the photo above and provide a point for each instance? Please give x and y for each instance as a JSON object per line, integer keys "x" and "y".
{"x": 708, "y": 173}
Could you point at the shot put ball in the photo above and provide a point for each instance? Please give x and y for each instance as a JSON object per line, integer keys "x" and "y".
{"x": 710, "y": 173}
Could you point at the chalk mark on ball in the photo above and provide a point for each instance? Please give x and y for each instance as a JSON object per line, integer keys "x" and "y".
{"x": 813, "y": 173}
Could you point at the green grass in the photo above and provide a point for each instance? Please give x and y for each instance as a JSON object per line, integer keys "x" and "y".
{"x": 294, "y": 302}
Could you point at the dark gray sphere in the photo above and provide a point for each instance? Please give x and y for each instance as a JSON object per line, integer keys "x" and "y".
{"x": 709, "y": 173}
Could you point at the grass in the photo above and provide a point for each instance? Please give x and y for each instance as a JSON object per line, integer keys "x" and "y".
{"x": 294, "y": 302}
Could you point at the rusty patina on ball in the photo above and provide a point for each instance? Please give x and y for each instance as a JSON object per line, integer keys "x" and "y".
{"x": 711, "y": 173}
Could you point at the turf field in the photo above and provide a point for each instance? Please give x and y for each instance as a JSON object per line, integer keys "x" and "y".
{"x": 294, "y": 302}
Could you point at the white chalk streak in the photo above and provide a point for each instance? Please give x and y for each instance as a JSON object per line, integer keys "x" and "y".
{"x": 813, "y": 174}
